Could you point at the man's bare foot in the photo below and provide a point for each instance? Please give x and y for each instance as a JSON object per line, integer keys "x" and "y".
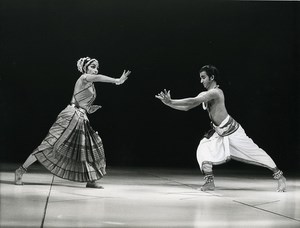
{"x": 281, "y": 184}
{"x": 207, "y": 187}
{"x": 209, "y": 184}
{"x": 278, "y": 175}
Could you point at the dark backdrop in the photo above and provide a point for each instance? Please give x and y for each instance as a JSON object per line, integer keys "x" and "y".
{"x": 164, "y": 43}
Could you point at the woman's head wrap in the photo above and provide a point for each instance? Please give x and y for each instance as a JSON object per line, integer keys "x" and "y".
{"x": 83, "y": 63}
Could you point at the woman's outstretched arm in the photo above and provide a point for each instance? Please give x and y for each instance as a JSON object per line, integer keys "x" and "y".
{"x": 107, "y": 79}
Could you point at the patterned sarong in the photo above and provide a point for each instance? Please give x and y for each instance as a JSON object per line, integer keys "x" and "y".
{"x": 72, "y": 150}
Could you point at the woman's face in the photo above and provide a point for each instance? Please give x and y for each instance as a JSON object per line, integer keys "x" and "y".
{"x": 93, "y": 68}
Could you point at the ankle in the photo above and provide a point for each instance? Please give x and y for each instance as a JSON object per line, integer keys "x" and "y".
{"x": 209, "y": 178}
{"x": 23, "y": 168}
{"x": 278, "y": 175}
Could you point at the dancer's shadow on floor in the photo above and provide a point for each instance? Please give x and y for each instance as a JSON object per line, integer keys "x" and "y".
{"x": 41, "y": 183}
{"x": 224, "y": 188}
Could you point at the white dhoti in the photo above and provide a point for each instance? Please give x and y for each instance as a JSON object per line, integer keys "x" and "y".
{"x": 237, "y": 145}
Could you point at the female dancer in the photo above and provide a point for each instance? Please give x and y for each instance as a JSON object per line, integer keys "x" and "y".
{"x": 72, "y": 150}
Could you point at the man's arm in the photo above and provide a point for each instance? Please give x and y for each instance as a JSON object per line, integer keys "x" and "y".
{"x": 195, "y": 101}
{"x": 179, "y": 107}
{"x": 186, "y": 103}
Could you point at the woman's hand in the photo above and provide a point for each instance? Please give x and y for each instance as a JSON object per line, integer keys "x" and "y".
{"x": 123, "y": 78}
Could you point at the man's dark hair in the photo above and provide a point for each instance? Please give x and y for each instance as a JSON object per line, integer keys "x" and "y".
{"x": 211, "y": 70}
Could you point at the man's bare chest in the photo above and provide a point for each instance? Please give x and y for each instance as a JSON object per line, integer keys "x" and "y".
{"x": 211, "y": 105}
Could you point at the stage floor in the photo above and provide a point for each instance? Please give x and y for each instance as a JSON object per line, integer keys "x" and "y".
{"x": 149, "y": 197}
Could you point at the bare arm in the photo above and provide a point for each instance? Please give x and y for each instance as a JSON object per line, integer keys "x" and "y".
{"x": 195, "y": 101}
{"x": 177, "y": 107}
{"x": 103, "y": 78}
{"x": 166, "y": 100}
{"x": 186, "y": 103}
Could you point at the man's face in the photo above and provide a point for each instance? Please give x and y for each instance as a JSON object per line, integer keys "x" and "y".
{"x": 205, "y": 79}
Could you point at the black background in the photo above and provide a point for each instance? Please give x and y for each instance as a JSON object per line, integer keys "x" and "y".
{"x": 164, "y": 43}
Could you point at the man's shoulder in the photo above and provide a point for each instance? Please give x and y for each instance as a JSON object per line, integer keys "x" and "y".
{"x": 212, "y": 94}
{"x": 219, "y": 90}
{"x": 217, "y": 93}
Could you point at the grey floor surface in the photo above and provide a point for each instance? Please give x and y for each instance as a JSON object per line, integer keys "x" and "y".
{"x": 148, "y": 197}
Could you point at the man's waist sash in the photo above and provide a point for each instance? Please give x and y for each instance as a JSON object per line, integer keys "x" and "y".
{"x": 227, "y": 127}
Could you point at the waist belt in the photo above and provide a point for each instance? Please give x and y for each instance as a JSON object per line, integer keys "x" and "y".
{"x": 227, "y": 128}
{"x": 79, "y": 108}
{"x": 91, "y": 110}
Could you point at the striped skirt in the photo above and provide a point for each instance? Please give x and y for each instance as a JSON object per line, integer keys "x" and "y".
{"x": 72, "y": 150}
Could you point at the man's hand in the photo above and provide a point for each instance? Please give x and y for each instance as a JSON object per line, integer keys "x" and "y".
{"x": 164, "y": 96}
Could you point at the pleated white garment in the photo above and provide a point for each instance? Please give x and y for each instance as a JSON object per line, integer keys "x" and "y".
{"x": 238, "y": 146}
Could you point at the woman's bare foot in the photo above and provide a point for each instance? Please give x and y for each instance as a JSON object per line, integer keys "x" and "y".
{"x": 93, "y": 184}
{"x": 18, "y": 175}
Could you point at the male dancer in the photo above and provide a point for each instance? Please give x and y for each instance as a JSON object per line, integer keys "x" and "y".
{"x": 227, "y": 139}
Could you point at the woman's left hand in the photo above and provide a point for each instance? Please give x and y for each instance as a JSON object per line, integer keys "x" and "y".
{"x": 123, "y": 78}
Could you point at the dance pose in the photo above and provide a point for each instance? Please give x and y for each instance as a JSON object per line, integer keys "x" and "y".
{"x": 72, "y": 150}
{"x": 227, "y": 139}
